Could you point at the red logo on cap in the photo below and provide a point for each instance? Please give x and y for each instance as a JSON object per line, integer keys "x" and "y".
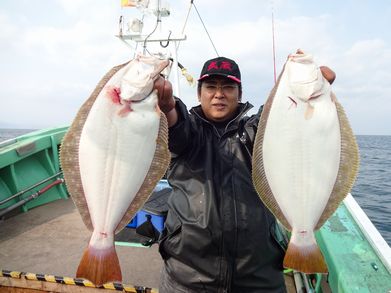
{"x": 213, "y": 65}
{"x": 226, "y": 65}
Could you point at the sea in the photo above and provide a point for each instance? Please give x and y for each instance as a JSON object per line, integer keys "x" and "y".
{"x": 372, "y": 189}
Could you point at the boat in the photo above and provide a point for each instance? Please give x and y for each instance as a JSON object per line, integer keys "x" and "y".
{"x": 358, "y": 257}
{"x": 39, "y": 224}
{"x": 42, "y": 235}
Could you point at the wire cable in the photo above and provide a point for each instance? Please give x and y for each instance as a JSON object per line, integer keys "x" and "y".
{"x": 158, "y": 19}
{"x": 187, "y": 18}
{"x": 206, "y": 30}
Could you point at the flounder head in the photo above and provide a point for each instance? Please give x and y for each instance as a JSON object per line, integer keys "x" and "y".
{"x": 138, "y": 81}
{"x": 304, "y": 76}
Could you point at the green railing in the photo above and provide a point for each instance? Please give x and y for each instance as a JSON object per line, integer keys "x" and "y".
{"x": 25, "y": 164}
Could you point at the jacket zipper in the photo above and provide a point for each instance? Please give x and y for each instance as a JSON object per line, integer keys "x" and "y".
{"x": 225, "y": 276}
{"x": 235, "y": 218}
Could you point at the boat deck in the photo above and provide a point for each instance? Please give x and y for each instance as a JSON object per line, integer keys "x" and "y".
{"x": 50, "y": 239}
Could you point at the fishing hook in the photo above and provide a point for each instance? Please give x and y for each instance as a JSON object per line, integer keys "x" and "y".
{"x": 167, "y": 42}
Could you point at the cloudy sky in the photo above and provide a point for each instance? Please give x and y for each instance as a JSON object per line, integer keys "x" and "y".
{"x": 54, "y": 52}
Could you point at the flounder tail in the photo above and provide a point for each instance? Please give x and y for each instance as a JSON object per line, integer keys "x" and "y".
{"x": 100, "y": 266}
{"x": 304, "y": 255}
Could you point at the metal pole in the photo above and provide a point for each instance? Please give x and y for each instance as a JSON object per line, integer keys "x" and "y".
{"x": 29, "y": 188}
{"x": 176, "y": 75}
{"x": 31, "y": 197}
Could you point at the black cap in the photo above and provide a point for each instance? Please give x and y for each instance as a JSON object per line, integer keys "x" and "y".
{"x": 221, "y": 66}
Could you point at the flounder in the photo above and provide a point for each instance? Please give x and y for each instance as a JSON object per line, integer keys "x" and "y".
{"x": 305, "y": 158}
{"x": 112, "y": 156}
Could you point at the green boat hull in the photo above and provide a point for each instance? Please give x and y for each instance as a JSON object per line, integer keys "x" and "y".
{"x": 354, "y": 265}
{"x": 29, "y": 159}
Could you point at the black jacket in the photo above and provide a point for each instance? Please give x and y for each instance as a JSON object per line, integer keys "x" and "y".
{"x": 218, "y": 236}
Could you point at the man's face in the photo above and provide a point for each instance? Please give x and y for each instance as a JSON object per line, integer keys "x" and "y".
{"x": 219, "y": 98}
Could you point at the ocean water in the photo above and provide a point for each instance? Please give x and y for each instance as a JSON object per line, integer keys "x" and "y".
{"x": 6, "y": 134}
{"x": 372, "y": 189}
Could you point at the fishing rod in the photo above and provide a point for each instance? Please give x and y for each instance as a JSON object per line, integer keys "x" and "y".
{"x": 274, "y": 48}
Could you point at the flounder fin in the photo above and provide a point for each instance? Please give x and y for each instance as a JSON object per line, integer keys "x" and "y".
{"x": 158, "y": 168}
{"x": 348, "y": 167}
{"x": 100, "y": 266}
{"x": 69, "y": 150}
{"x": 258, "y": 171}
{"x": 308, "y": 259}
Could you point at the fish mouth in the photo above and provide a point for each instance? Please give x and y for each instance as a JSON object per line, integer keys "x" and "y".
{"x": 137, "y": 100}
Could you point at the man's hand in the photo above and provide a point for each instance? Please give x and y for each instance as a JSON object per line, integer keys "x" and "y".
{"x": 165, "y": 98}
{"x": 328, "y": 74}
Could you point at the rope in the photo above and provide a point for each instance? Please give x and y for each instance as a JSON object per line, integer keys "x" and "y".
{"x": 206, "y": 29}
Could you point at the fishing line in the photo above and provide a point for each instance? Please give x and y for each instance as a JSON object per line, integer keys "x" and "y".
{"x": 206, "y": 30}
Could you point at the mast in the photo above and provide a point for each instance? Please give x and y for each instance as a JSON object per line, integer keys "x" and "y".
{"x": 158, "y": 35}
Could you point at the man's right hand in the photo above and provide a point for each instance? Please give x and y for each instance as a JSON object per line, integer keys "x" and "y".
{"x": 165, "y": 98}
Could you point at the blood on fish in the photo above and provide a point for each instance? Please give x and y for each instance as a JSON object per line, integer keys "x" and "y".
{"x": 113, "y": 93}
{"x": 125, "y": 110}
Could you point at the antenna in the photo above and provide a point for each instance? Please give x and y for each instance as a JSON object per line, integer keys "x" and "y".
{"x": 274, "y": 48}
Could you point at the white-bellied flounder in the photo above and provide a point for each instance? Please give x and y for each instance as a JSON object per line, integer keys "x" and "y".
{"x": 112, "y": 157}
{"x": 305, "y": 158}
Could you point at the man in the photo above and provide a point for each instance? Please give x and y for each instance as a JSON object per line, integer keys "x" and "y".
{"x": 218, "y": 236}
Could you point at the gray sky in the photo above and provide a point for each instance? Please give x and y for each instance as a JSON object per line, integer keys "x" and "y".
{"x": 54, "y": 52}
